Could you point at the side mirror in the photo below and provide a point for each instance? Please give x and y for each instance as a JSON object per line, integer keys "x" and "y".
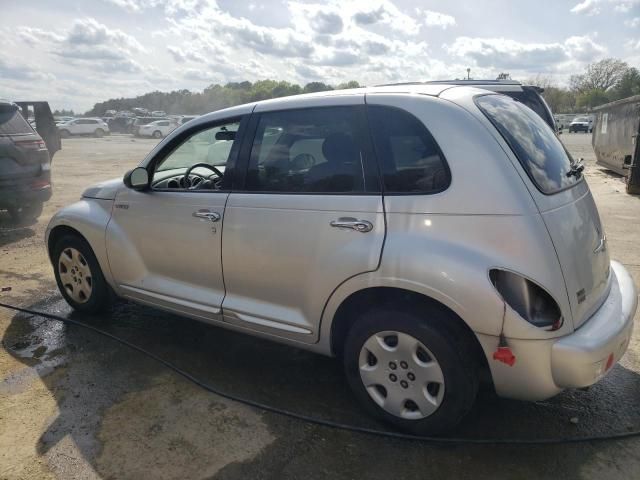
{"x": 137, "y": 179}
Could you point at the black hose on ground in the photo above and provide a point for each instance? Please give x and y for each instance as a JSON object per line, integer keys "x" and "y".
{"x": 322, "y": 422}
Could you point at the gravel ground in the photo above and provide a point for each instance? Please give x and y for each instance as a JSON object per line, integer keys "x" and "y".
{"x": 76, "y": 405}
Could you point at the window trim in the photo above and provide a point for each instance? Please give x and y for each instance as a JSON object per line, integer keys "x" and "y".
{"x": 513, "y": 152}
{"x": 175, "y": 142}
{"x": 379, "y": 157}
{"x": 363, "y": 137}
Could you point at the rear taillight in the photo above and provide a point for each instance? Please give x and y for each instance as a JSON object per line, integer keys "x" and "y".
{"x": 41, "y": 183}
{"x": 32, "y": 144}
{"x": 532, "y": 302}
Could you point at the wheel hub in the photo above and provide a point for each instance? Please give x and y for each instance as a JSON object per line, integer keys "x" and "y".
{"x": 401, "y": 375}
{"x": 75, "y": 275}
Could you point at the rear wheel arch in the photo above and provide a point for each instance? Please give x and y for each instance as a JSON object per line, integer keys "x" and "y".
{"x": 400, "y": 299}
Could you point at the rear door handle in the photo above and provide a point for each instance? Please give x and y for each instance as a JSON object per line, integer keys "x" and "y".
{"x": 207, "y": 215}
{"x": 363, "y": 226}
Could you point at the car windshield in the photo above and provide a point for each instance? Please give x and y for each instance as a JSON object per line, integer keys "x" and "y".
{"x": 535, "y": 145}
{"x": 581, "y": 119}
{"x": 13, "y": 123}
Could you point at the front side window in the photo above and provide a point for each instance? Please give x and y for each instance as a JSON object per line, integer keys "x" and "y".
{"x": 200, "y": 161}
{"x": 307, "y": 151}
{"x": 535, "y": 145}
{"x": 409, "y": 157}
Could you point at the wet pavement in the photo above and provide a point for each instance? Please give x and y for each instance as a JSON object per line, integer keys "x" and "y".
{"x": 74, "y": 404}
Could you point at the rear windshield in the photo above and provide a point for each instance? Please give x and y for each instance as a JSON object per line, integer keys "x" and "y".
{"x": 538, "y": 149}
{"x": 12, "y": 123}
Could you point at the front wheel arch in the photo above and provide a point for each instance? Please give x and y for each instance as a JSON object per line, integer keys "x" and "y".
{"x": 57, "y": 233}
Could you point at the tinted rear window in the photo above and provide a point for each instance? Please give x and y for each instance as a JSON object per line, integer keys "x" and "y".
{"x": 541, "y": 154}
{"x": 410, "y": 159}
{"x": 12, "y": 123}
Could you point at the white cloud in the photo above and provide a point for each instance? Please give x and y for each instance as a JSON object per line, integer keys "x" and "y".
{"x": 595, "y": 7}
{"x": 502, "y": 53}
{"x": 436, "y": 19}
{"x": 633, "y": 22}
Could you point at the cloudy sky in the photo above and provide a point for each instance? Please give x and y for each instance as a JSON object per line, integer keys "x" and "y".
{"x": 75, "y": 53}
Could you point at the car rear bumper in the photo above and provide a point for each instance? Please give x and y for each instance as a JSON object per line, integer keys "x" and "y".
{"x": 584, "y": 357}
{"x": 18, "y": 195}
{"x": 543, "y": 368}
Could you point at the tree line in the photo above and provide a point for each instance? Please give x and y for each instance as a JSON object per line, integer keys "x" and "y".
{"x": 601, "y": 82}
{"x": 214, "y": 97}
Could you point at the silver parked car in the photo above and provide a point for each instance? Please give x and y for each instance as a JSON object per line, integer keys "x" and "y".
{"x": 427, "y": 235}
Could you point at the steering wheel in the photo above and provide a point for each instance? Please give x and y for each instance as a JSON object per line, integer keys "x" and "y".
{"x": 187, "y": 181}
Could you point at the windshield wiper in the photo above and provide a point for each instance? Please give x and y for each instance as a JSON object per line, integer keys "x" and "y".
{"x": 577, "y": 166}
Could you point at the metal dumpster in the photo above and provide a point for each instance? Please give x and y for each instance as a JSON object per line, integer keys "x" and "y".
{"x": 614, "y": 139}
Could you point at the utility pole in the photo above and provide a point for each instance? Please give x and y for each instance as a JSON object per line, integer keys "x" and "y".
{"x": 468, "y": 74}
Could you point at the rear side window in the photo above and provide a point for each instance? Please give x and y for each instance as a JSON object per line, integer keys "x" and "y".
{"x": 13, "y": 123}
{"x": 535, "y": 145}
{"x": 314, "y": 150}
{"x": 410, "y": 159}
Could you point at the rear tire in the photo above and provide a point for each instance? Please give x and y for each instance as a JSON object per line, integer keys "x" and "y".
{"x": 79, "y": 276}
{"x": 26, "y": 212}
{"x": 424, "y": 385}
{"x": 157, "y": 134}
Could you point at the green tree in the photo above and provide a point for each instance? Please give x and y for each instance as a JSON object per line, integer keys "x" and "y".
{"x": 600, "y": 75}
{"x": 592, "y": 98}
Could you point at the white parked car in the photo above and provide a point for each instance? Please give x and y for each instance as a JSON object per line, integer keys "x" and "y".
{"x": 84, "y": 126}
{"x": 157, "y": 129}
{"x": 427, "y": 235}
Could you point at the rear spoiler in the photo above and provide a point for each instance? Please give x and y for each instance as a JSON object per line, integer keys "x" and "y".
{"x": 45, "y": 123}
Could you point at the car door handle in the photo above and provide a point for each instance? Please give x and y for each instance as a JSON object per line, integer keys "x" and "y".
{"x": 352, "y": 223}
{"x": 601, "y": 244}
{"x": 207, "y": 215}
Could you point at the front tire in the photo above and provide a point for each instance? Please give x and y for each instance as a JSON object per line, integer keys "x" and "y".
{"x": 79, "y": 276}
{"x": 99, "y": 133}
{"x": 65, "y": 133}
{"x": 157, "y": 134}
{"x": 411, "y": 370}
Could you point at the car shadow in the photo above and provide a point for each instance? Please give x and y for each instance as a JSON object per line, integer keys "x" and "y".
{"x": 12, "y": 231}
{"x": 89, "y": 375}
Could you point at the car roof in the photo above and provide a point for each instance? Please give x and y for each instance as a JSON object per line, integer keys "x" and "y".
{"x": 348, "y": 96}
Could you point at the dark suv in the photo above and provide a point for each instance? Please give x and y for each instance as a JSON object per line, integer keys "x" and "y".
{"x": 25, "y": 163}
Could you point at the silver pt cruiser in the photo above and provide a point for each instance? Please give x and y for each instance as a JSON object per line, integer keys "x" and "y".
{"x": 427, "y": 235}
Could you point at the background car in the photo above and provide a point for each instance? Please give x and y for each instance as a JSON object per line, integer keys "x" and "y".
{"x": 139, "y": 122}
{"x": 25, "y": 165}
{"x": 84, "y": 126}
{"x": 581, "y": 124}
{"x": 157, "y": 129}
{"x": 158, "y": 113}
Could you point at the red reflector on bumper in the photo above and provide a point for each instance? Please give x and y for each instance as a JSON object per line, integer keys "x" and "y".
{"x": 505, "y": 355}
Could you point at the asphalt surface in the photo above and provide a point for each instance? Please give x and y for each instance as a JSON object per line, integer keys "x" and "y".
{"x": 76, "y": 405}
